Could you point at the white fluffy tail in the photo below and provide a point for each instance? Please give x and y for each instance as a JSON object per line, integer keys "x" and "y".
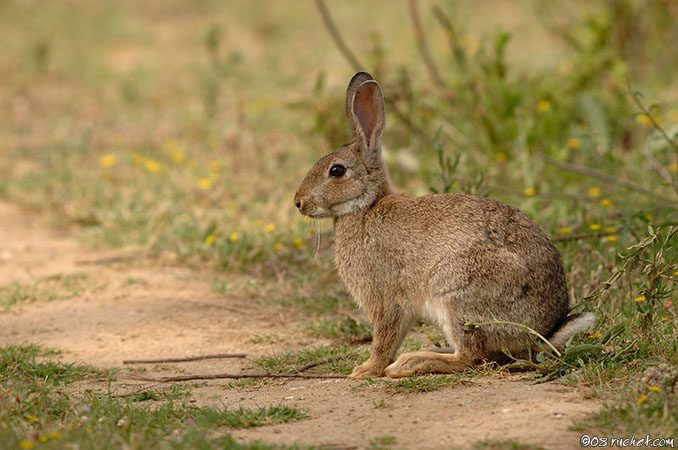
{"x": 574, "y": 324}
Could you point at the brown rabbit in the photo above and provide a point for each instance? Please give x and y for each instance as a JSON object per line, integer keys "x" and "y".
{"x": 448, "y": 259}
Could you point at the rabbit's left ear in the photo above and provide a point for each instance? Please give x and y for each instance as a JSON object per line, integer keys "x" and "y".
{"x": 369, "y": 116}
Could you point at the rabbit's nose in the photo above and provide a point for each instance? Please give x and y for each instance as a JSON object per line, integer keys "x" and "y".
{"x": 297, "y": 201}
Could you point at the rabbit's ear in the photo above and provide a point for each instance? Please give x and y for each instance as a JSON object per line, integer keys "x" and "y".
{"x": 358, "y": 79}
{"x": 369, "y": 115}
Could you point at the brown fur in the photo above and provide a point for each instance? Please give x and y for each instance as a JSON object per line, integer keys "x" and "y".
{"x": 448, "y": 259}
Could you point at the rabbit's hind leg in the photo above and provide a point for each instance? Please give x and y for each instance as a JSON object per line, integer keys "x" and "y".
{"x": 429, "y": 362}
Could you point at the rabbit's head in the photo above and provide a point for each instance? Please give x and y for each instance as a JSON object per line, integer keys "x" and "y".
{"x": 354, "y": 176}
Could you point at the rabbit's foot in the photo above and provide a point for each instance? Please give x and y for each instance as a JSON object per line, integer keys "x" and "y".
{"x": 426, "y": 362}
{"x": 368, "y": 369}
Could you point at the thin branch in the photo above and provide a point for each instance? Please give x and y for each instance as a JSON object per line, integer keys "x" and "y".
{"x": 656, "y": 165}
{"x": 336, "y": 36}
{"x": 593, "y": 173}
{"x": 520, "y": 326}
{"x": 653, "y": 162}
{"x": 187, "y": 359}
{"x": 576, "y": 237}
{"x": 655, "y": 124}
{"x": 423, "y": 48}
{"x": 238, "y": 376}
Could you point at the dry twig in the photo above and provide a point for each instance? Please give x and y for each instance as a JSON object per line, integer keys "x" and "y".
{"x": 336, "y": 36}
{"x": 187, "y": 359}
{"x": 424, "y": 50}
{"x": 237, "y": 376}
{"x": 576, "y": 237}
{"x": 593, "y": 173}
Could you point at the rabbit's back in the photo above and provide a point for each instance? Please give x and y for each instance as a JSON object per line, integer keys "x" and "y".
{"x": 456, "y": 255}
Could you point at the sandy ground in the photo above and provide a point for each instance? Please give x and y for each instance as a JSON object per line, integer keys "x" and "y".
{"x": 138, "y": 309}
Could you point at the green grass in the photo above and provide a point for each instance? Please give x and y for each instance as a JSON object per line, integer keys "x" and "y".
{"x": 347, "y": 330}
{"x": 382, "y": 442}
{"x": 53, "y": 287}
{"x": 504, "y": 445}
{"x": 40, "y": 410}
{"x": 317, "y": 305}
{"x": 248, "y": 418}
{"x": 348, "y": 358}
{"x": 414, "y": 384}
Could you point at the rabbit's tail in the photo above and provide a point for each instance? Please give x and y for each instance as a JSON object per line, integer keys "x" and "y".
{"x": 573, "y": 325}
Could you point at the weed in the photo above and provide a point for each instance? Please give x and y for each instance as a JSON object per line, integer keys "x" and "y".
{"x": 382, "y": 442}
{"x": 317, "y": 305}
{"x": 38, "y": 410}
{"x": 349, "y": 358}
{"x": 346, "y": 330}
{"x": 414, "y": 384}
{"x": 248, "y": 418}
{"x": 53, "y": 287}
{"x": 504, "y": 445}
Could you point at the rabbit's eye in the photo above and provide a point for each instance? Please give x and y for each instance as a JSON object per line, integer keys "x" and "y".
{"x": 337, "y": 171}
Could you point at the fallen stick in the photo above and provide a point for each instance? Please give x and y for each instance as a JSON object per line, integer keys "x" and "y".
{"x": 190, "y": 358}
{"x": 593, "y": 173}
{"x": 236, "y": 376}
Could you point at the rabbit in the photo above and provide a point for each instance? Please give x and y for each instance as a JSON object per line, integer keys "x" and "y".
{"x": 448, "y": 259}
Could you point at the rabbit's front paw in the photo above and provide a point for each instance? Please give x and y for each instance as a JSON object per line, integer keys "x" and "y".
{"x": 367, "y": 370}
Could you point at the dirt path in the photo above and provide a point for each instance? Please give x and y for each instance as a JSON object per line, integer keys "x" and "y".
{"x": 134, "y": 309}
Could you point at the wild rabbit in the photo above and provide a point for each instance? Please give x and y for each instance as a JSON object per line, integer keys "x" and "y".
{"x": 448, "y": 259}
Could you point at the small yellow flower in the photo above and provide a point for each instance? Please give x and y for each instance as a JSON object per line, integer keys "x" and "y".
{"x": 595, "y": 335}
{"x": 178, "y": 156}
{"x": 205, "y": 183}
{"x": 88, "y": 430}
{"x": 500, "y": 156}
{"x": 530, "y": 191}
{"x": 605, "y": 202}
{"x": 595, "y": 192}
{"x": 298, "y": 243}
{"x": 643, "y": 120}
{"x": 543, "y": 105}
{"x": 26, "y": 445}
{"x": 55, "y": 435}
{"x": 573, "y": 143}
{"x": 278, "y": 247}
{"x": 269, "y": 228}
{"x": 107, "y": 161}
{"x": 594, "y": 227}
{"x": 611, "y": 238}
{"x": 43, "y": 438}
{"x": 31, "y": 418}
{"x": 664, "y": 319}
{"x": 565, "y": 230}
{"x": 610, "y": 229}
{"x": 216, "y": 166}
{"x": 640, "y": 298}
{"x": 152, "y": 165}
{"x": 210, "y": 239}
{"x": 642, "y": 399}
{"x": 673, "y": 167}
{"x": 655, "y": 388}
{"x": 137, "y": 159}
{"x": 234, "y": 237}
